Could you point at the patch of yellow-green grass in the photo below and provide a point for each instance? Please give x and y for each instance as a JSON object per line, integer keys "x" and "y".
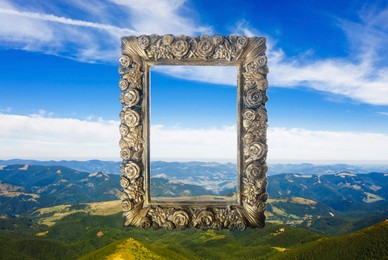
{"x": 105, "y": 208}
{"x": 49, "y": 216}
{"x": 280, "y": 249}
{"x": 303, "y": 201}
{"x": 210, "y": 235}
{"x": 131, "y": 249}
{"x": 283, "y": 213}
{"x": 42, "y": 234}
{"x": 278, "y": 211}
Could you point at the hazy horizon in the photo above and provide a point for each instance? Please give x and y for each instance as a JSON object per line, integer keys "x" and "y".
{"x": 218, "y": 160}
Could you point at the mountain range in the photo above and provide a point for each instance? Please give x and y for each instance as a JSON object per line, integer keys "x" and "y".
{"x": 113, "y": 167}
{"x": 24, "y": 188}
{"x": 57, "y": 212}
{"x": 294, "y": 198}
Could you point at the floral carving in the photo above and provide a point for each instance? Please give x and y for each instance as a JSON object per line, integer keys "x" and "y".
{"x": 253, "y": 98}
{"x": 131, "y": 170}
{"x": 135, "y": 190}
{"x": 134, "y": 77}
{"x": 242, "y": 41}
{"x": 168, "y": 39}
{"x": 204, "y": 219}
{"x": 132, "y": 118}
{"x": 125, "y": 60}
{"x": 248, "y": 138}
{"x": 251, "y": 190}
{"x": 218, "y": 39}
{"x": 253, "y": 77}
{"x": 131, "y": 97}
{"x": 124, "y": 130}
{"x": 217, "y": 225}
{"x": 249, "y": 54}
{"x": 125, "y": 153}
{"x": 168, "y": 225}
{"x": 253, "y": 171}
{"x": 124, "y": 182}
{"x": 123, "y": 84}
{"x": 181, "y": 219}
{"x": 257, "y": 151}
{"x": 180, "y": 48}
{"x": 145, "y": 223}
{"x": 238, "y": 225}
{"x": 205, "y": 47}
{"x": 249, "y": 114}
{"x": 144, "y": 41}
{"x": 262, "y": 60}
{"x": 126, "y": 205}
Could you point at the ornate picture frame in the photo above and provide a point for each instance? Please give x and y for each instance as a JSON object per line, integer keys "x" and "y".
{"x": 138, "y": 54}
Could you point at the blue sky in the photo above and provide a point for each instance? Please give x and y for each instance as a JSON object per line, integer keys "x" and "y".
{"x": 328, "y": 60}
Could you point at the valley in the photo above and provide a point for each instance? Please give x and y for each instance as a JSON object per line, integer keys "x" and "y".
{"x": 59, "y": 212}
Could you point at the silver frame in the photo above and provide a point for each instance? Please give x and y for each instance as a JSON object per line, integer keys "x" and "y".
{"x": 138, "y": 55}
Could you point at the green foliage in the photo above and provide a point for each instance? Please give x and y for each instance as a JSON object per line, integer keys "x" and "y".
{"x": 33, "y": 248}
{"x": 343, "y": 225}
{"x": 209, "y": 244}
{"x": 20, "y": 227}
{"x": 369, "y": 243}
{"x": 77, "y": 235}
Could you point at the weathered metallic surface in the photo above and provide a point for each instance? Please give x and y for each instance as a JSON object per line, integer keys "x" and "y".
{"x": 248, "y": 54}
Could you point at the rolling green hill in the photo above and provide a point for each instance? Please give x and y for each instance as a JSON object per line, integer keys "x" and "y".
{"x": 276, "y": 242}
{"x": 89, "y": 230}
{"x": 82, "y": 234}
{"x": 368, "y": 243}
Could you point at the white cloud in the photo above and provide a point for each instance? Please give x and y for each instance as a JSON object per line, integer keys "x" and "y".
{"x": 162, "y": 16}
{"x": 37, "y": 28}
{"x": 63, "y": 20}
{"x": 41, "y": 137}
{"x": 193, "y": 144}
{"x": 307, "y": 145}
{"x": 22, "y": 29}
{"x": 382, "y": 113}
{"x": 363, "y": 76}
{"x": 66, "y": 138}
{"x": 356, "y": 77}
{"x": 358, "y": 81}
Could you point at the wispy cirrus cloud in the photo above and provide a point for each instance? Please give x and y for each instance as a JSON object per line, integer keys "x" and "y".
{"x": 63, "y": 20}
{"x": 41, "y": 137}
{"x": 49, "y": 29}
{"x": 161, "y": 17}
{"x": 362, "y": 76}
{"x": 383, "y": 113}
